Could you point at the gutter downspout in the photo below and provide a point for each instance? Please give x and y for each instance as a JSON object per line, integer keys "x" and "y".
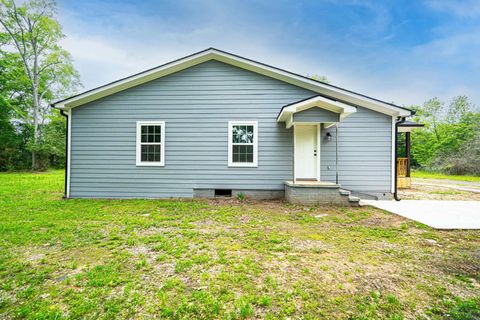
{"x": 395, "y": 193}
{"x": 66, "y": 153}
{"x": 336, "y": 153}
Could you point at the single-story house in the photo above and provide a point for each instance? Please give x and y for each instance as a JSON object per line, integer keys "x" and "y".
{"x": 217, "y": 124}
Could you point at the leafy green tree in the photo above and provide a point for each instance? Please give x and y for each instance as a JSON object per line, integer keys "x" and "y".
{"x": 319, "y": 78}
{"x": 9, "y": 139}
{"x": 433, "y": 110}
{"x": 459, "y": 108}
{"x": 52, "y": 145}
{"x": 32, "y": 30}
{"x": 449, "y": 129}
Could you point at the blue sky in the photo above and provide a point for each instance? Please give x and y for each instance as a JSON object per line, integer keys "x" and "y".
{"x": 399, "y": 51}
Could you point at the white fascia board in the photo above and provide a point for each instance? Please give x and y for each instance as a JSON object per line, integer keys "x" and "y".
{"x": 135, "y": 80}
{"x": 213, "y": 54}
{"x": 313, "y": 85}
{"x": 316, "y": 102}
{"x": 408, "y": 129}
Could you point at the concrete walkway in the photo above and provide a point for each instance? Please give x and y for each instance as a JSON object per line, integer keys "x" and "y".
{"x": 434, "y": 213}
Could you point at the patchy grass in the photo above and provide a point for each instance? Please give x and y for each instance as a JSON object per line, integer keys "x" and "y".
{"x": 434, "y": 175}
{"x": 223, "y": 259}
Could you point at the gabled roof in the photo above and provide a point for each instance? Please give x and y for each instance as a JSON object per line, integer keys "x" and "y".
{"x": 286, "y": 114}
{"x": 326, "y": 89}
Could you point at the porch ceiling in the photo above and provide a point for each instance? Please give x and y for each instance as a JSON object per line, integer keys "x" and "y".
{"x": 287, "y": 112}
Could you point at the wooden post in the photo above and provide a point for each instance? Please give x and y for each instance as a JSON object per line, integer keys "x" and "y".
{"x": 407, "y": 151}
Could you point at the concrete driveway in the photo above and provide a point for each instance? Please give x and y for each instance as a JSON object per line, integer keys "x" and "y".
{"x": 437, "y": 214}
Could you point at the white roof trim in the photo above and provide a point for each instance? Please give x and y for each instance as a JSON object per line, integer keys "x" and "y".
{"x": 321, "y": 102}
{"x": 407, "y": 129}
{"x": 247, "y": 64}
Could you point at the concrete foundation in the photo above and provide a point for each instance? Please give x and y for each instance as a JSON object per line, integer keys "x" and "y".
{"x": 316, "y": 193}
{"x": 249, "y": 194}
{"x": 304, "y": 193}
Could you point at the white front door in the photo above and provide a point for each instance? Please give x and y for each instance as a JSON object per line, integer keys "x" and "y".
{"x": 306, "y": 152}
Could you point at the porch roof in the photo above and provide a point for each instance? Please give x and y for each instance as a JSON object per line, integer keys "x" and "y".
{"x": 287, "y": 112}
{"x": 408, "y": 126}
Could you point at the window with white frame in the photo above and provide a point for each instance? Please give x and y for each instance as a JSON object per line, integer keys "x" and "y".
{"x": 150, "y": 143}
{"x": 242, "y": 143}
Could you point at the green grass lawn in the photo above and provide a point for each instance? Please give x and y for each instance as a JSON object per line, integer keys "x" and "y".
{"x": 115, "y": 259}
{"x": 433, "y": 175}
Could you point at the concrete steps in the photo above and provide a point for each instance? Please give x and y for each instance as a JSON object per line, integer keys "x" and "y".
{"x": 318, "y": 193}
{"x": 352, "y": 200}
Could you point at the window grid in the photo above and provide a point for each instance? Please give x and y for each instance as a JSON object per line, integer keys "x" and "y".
{"x": 150, "y": 140}
{"x": 243, "y": 148}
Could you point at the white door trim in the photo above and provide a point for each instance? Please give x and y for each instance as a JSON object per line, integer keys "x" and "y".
{"x": 295, "y": 156}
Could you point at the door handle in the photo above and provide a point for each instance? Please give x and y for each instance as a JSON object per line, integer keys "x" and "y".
{"x": 314, "y": 153}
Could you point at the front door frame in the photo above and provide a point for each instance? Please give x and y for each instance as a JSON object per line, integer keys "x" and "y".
{"x": 318, "y": 163}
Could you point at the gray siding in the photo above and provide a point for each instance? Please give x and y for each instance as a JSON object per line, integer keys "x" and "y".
{"x": 315, "y": 115}
{"x": 196, "y": 105}
{"x": 365, "y": 152}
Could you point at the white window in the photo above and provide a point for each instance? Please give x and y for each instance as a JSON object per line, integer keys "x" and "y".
{"x": 150, "y": 143}
{"x": 242, "y": 143}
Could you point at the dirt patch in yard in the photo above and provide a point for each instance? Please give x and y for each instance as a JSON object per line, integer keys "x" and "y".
{"x": 427, "y": 192}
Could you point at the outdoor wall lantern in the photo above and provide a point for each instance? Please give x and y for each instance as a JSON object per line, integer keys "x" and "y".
{"x": 329, "y": 136}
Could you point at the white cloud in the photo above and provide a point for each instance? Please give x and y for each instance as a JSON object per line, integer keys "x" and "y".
{"x": 461, "y": 8}
{"x": 108, "y": 47}
{"x": 460, "y": 48}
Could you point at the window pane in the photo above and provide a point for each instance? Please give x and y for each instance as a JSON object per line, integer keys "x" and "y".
{"x": 151, "y": 133}
{"x": 242, "y": 134}
{"x": 151, "y": 153}
{"x": 157, "y": 134}
{"x": 156, "y": 153}
{"x": 236, "y": 134}
{"x": 249, "y": 134}
{"x": 242, "y": 153}
{"x": 144, "y": 153}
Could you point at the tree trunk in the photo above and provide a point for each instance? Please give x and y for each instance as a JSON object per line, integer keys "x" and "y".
{"x": 36, "y": 105}
{"x": 35, "y": 130}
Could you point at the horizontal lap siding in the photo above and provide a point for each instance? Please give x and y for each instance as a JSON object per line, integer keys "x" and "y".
{"x": 196, "y": 105}
{"x": 315, "y": 115}
{"x": 365, "y": 152}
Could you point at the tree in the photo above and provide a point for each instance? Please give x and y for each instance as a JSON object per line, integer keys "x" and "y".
{"x": 34, "y": 34}
{"x": 458, "y": 109}
{"x": 8, "y": 137}
{"x": 320, "y": 78}
{"x": 433, "y": 110}
{"x": 448, "y": 142}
